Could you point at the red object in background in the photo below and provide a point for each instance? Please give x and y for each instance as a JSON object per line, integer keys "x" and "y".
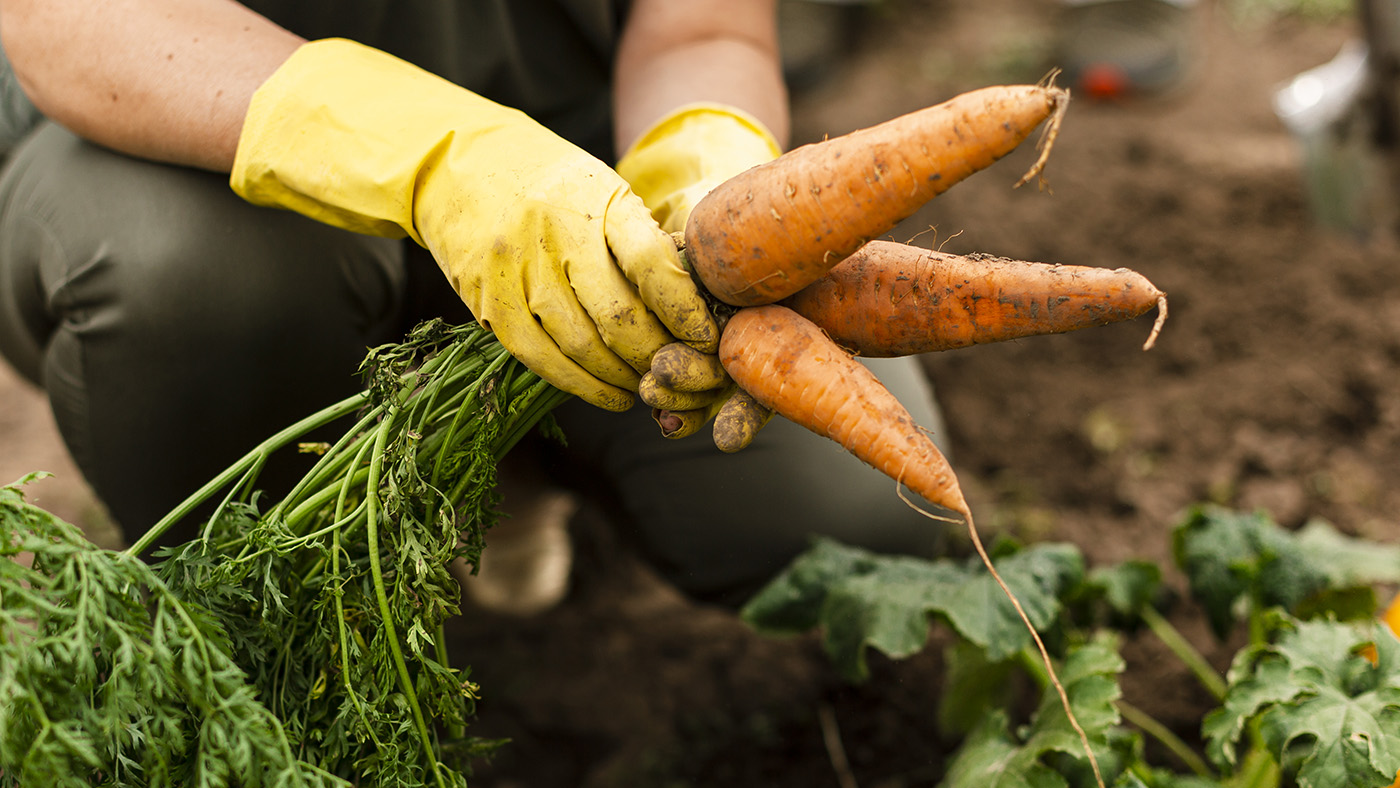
{"x": 1105, "y": 81}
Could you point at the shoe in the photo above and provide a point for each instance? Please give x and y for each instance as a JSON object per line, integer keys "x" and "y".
{"x": 525, "y": 567}
{"x": 1117, "y": 49}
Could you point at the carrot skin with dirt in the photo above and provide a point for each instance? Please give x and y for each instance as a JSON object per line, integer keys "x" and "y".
{"x": 788, "y": 365}
{"x": 891, "y": 299}
{"x": 772, "y": 230}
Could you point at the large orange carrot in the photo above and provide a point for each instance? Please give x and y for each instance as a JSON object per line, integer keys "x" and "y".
{"x": 788, "y": 364}
{"x": 892, "y": 299}
{"x": 772, "y": 230}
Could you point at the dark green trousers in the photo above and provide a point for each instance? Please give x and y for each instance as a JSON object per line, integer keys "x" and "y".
{"x": 174, "y": 326}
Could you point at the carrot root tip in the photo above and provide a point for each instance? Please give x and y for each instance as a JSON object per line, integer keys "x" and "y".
{"x": 1059, "y": 99}
{"x": 1157, "y": 325}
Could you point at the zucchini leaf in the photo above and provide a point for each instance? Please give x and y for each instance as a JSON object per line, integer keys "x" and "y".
{"x": 861, "y": 599}
{"x": 1233, "y": 560}
{"x": 1039, "y": 754}
{"x": 1322, "y": 707}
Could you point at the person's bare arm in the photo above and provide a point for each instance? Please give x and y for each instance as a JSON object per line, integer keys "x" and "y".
{"x": 675, "y": 52}
{"x": 168, "y": 80}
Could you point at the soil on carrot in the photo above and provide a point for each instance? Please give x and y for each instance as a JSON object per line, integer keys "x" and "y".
{"x": 1273, "y": 385}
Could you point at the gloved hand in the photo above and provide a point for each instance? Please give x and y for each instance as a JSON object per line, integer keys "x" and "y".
{"x": 671, "y": 167}
{"x": 547, "y": 245}
{"x": 689, "y": 152}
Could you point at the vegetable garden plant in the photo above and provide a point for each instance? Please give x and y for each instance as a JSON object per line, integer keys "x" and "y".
{"x": 301, "y": 641}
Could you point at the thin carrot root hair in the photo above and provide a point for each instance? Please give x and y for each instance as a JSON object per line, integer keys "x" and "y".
{"x": 1157, "y": 325}
{"x": 966, "y": 513}
{"x": 1049, "y": 133}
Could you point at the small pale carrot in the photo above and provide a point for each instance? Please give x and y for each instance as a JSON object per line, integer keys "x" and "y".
{"x": 772, "y": 230}
{"x": 892, "y": 299}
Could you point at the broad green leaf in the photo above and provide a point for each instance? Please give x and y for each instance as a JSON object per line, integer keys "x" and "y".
{"x": 791, "y": 603}
{"x": 971, "y": 685}
{"x": 862, "y": 599}
{"x": 1115, "y": 596}
{"x": 1321, "y": 706}
{"x": 1128, "y": 587}
{"x": 1038, "y": 576}
{"x": 1232, "y": 557}
{"x": 991, "y": 757}
{"x": 887, "y": 608}
{"x": 995, "y": 756}
{"x": 1346, "y": 560}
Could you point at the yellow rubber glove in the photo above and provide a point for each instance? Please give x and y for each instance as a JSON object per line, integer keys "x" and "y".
{"x": 547, "y": 245}
{"x": 671, "y": 167}
{"x": 689, "y": 152}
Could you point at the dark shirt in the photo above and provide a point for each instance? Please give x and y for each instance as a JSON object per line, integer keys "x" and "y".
{"x": 551, "y": 59}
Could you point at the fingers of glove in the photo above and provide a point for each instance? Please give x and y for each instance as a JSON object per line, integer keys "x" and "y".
{"x": 649, "y": 259}
{"x": 680, "y": 367}
{"x": 738, "y": 422}
{"x": 528, "y": 342}
{"x": 622, "y": 318}
{"x": 677, "y": 424}
{"x": 574, "y": 330}
{"x": 659, "y": 396}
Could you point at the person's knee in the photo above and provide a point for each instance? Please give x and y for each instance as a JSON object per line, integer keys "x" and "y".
{"x": 175, "y": 247}
{"x": 238, "y": 278}
{"x": 172, "y": 323}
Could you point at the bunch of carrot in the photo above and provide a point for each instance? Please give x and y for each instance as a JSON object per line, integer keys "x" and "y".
{"x": 791, "y": 244}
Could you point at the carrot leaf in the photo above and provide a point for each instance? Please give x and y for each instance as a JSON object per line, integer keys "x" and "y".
{"x": 108, "y": 678}
{"x": 295, "y": 644}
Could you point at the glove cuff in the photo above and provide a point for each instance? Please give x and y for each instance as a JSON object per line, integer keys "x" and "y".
{"x": 345, "y": 134}
{"x": 689, "y": 152}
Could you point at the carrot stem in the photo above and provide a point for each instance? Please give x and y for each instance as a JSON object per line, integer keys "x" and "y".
{"x": 237, "y": 470}
{"x": 376, "y": 463}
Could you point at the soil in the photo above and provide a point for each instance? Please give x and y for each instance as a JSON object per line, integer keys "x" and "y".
{"x": 1271, "y": 387}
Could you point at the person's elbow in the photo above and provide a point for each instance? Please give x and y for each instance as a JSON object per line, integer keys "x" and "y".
{"x": 29, "y": 50}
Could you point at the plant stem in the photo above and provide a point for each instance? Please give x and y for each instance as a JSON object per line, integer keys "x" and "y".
{"x": 1259, "y": 771}
{"x": 1196, "y": 662}
{"x": 1153, "y": 727}
{"x": 259, "y": 453}
{"x": 391, "y": 636}
{"x": 1258, "y": 634}
{"x": 326, "y": 471}
{"x": 342, "y": 626}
